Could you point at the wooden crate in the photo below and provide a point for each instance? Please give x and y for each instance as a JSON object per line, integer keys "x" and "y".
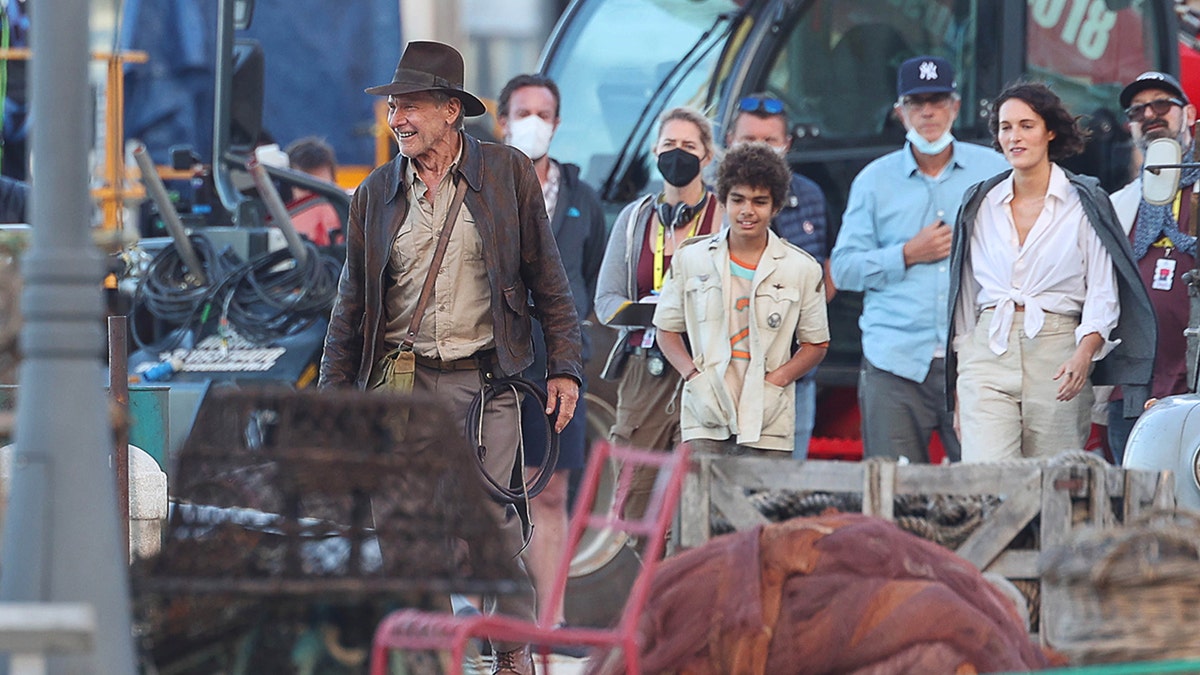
{"x": 1058, "y": 495}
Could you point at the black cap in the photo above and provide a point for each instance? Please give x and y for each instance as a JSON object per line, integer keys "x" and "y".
{"x": 1152, "y": 79}
{"x": 925, "y": 75}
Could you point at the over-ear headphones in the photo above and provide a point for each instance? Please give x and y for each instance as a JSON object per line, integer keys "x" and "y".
{"x": 675, "y": 215}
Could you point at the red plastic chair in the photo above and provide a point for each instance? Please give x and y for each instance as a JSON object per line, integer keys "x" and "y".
{"x": 425, "y": 631}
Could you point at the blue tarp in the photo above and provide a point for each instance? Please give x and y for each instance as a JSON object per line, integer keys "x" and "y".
{"x": 16, "y": 95}
{"x": 320, "y": 55}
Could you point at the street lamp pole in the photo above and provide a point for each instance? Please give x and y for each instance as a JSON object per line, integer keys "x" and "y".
{"x": 62, "y": 537}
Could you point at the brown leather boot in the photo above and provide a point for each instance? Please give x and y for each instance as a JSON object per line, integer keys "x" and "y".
{"x": 515, "y": 662}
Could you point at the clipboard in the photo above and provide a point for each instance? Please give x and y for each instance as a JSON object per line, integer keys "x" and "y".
{"x": 633, "y": 314}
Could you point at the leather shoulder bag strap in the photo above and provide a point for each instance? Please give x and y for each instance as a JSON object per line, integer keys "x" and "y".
{"x": 439, "y": 253}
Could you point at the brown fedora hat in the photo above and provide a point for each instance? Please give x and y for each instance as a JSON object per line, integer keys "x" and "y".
{"x": 430, "y": 66}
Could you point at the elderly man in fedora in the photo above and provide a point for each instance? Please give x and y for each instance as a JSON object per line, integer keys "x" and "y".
{"x": 445, "y": 247}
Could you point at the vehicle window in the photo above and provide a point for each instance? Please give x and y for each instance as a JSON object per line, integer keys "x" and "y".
{"x": 610, "y": 63}
{"x": 1087, "y": 50}
{"x": 837, "y": 70}
{"x": 1074, "y": 47}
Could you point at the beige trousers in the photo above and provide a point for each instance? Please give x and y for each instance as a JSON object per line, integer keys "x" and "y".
{"x": 647, "y": 418}
{"x": 1008, "y": 406}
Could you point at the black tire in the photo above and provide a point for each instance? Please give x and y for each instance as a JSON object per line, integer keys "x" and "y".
{"x": 604, "y": 568}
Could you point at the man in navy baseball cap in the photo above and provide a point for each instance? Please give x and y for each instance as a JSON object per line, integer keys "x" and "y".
{"x": 892, "y": 247}
{"x": 925, "y": 75}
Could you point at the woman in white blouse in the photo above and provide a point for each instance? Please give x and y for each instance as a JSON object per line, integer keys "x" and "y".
{"x": 1035, "y": 292}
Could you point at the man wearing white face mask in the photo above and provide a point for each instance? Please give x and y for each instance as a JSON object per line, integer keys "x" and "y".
{"x": 893, "y": 246}
{"x": 528, "y": 109}
{"x": 762, "y": 118}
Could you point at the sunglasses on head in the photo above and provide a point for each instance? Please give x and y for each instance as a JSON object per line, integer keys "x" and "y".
{"x": 751, "y": 104}
{"x": 1160, "y": 106}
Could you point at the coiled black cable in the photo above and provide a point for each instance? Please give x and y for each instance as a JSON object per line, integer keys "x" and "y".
{"x": 168, "y": 291}
{"x": 271, "y": 299}
{"x": 263, "y": 299}
{"x": 498, "y": 491}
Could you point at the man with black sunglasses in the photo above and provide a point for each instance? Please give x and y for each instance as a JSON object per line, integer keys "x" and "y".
{"x": 761, "y": 118}
{"x": 1163, "y": 239}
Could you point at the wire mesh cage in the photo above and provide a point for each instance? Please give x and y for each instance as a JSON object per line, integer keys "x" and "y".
{"x": 292, "y": 505}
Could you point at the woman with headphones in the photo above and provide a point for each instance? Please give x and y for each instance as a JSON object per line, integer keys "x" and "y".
{"x": 646, "y": 234}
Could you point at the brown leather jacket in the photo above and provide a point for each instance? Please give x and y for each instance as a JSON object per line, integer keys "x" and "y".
{"x": 522, "y": 261}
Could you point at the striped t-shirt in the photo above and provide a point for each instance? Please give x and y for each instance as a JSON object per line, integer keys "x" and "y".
{"x": 740, "y": 275}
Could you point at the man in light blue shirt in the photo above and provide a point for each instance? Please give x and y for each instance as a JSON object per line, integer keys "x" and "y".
{"x": 893, "y": 246}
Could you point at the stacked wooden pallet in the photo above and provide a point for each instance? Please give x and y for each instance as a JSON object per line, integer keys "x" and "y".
{"x": 1024, "y": 507}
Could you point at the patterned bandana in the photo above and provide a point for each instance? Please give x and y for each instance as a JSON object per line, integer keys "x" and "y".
{"x": 1155, "y": 222}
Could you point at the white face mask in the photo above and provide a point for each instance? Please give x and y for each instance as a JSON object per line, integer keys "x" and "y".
{"x": 929, "y": 147}
{"x": 531, "y": 135}
{"x": 781, "y": 150}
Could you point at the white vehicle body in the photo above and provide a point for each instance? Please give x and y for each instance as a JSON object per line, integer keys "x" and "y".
{"x": 1167, "y": 437}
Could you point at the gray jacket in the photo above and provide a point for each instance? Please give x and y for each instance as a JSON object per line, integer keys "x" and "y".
{"x": 1131, "y": 363}
{"x": 618, "y": 274}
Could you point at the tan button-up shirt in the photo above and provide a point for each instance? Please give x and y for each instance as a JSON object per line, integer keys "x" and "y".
{"x": 786, "y": 306}
{"x": 458, "y": 321}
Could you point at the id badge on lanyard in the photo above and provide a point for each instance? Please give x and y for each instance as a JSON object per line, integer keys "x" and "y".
{"x": 1164, "y": 274}
{"x": 1164, "y": 267}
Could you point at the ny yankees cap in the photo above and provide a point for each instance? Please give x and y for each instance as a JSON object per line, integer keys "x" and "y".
{"x": 1152, "y": 80}
{"x": 925, "y": 75}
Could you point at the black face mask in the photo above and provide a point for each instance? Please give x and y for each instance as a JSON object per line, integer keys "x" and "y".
{"x": 678, "y": 166}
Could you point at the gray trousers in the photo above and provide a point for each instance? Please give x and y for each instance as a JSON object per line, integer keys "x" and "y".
{"x": 899, "y": 415}
{"x": 729, "y": 447}
{"x": 456, "y": 389}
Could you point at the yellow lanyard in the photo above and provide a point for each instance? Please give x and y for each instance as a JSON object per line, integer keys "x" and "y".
{"x": 660, "y": 246}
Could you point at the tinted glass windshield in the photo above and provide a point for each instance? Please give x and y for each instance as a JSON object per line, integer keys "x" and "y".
{"x": 610, "y": 61}
{"x": 1088, "y": 52}
{"x": 837, "y": 70}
